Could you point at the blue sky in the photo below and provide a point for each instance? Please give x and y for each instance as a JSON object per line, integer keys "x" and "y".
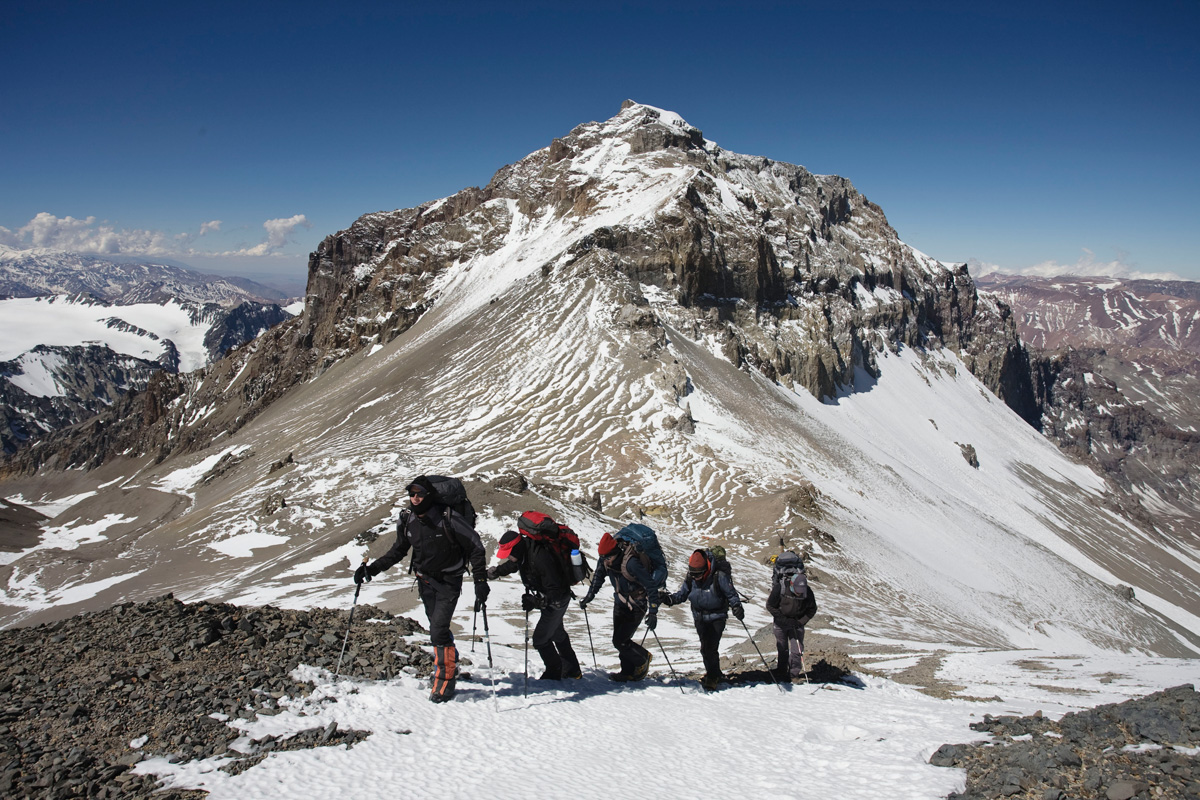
{"x": 1023, "y": 135}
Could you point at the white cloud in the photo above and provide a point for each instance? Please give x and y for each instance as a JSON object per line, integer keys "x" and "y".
{"x": 278, "y": 231}
{"x": 88, "y": 236}
{"x": 1087, "y": 264}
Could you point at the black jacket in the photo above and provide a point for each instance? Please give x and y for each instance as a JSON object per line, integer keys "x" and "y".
{"x": 442, "y": 545}
{"x": 542, "y": 570}
{"x": 790, "y": 611}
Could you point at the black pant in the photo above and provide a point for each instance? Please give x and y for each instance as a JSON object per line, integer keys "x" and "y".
{"x": 625, "y": 624}
{"x": 440, "y": 597}
{"x": 551, "y": 641}
{"x": 710, "y": 642}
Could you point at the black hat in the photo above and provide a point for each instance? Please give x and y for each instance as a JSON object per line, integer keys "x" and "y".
{"x": 423, "y": 484}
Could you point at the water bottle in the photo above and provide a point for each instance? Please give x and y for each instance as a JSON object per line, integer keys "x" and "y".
{"x": 577, "y": 565}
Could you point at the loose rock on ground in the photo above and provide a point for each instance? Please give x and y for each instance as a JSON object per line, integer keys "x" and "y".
{"x": 165, "y": 675}
{"x": 1143, "y": 748}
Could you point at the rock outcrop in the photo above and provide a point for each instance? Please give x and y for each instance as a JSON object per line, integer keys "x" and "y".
{"x": 1140, "y": 748}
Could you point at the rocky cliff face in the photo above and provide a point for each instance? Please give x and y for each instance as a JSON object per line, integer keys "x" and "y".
{"x": 91, "y": 379}
{"x": 795, "y": 275}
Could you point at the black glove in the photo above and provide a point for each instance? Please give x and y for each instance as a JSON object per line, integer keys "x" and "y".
{"x": 587, "y": 598}
{"x": 362, "y": 574}
{"x": 664, "y": 600}
{"x": 481, "y": 594}
{"x": 491, "y": 573}
{"x": 739, "y": 612}
{"x": 651, "y": 620}
{"x": 531, "y": 602}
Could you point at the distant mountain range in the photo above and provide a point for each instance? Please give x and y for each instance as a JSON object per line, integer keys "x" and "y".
{"x": 41, "y": 272}
{"x": 1120, "y": 367}
{"x": 1094, "y": 312}
{"x": 77, "y": 332}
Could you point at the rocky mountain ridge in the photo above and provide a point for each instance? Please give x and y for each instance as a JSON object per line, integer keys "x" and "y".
{"x": 795, "y": 275}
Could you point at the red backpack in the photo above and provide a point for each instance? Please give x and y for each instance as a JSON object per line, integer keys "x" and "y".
{"x": 561, "y": 539}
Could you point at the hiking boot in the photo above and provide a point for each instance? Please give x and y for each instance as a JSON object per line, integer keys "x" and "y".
{"x": 710, "y": 682}
{"x": 620, "y": 677}
{"x": 444, "y": 697}
{"x": 641, "y": 671}
{"x": 570, "y": 664}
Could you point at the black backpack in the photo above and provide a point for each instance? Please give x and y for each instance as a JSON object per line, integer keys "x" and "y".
{"x": 451, "y": 493}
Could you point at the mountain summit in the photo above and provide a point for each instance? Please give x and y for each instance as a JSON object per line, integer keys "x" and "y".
{"x": 631, "y": 323}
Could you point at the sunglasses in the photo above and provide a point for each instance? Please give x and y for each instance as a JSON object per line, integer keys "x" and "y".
{"x": 415, "y": 493}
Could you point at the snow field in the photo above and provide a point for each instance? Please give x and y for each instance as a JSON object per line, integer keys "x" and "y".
{"x": 58, "y": 321}
{"x": 596, "y": 739}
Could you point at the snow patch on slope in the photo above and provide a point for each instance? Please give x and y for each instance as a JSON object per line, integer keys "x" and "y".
{"x": 26, "y": 322}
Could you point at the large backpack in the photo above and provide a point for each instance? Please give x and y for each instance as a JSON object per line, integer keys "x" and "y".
{"x": 790, "y": 577}
{"x": 787, "y": 565}
{"x": 560, "y": 539}
{"x": 645, "y": 542}
{"x": 451, "y": 493}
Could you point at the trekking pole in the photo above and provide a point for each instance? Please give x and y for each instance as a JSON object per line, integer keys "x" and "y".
{"x": 760, "y": 655}
{"x": 668, "y": 660}
{"x": 487, "y": 637}
{"x": 590, "y": 643}
{"x": 474, "y": 614}
{"x": 357, "y": 588}
{"x": 527, "y": 654}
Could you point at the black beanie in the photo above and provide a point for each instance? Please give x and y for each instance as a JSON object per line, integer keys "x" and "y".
{"x": 425, "y": 486}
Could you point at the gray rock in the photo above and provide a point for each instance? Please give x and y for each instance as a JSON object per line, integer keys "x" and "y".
{"x": 513, "y": 482}
{"x": 968, "y": 453}
{"x": 1125, "y": 789}
{"x": 945, "y": 756}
